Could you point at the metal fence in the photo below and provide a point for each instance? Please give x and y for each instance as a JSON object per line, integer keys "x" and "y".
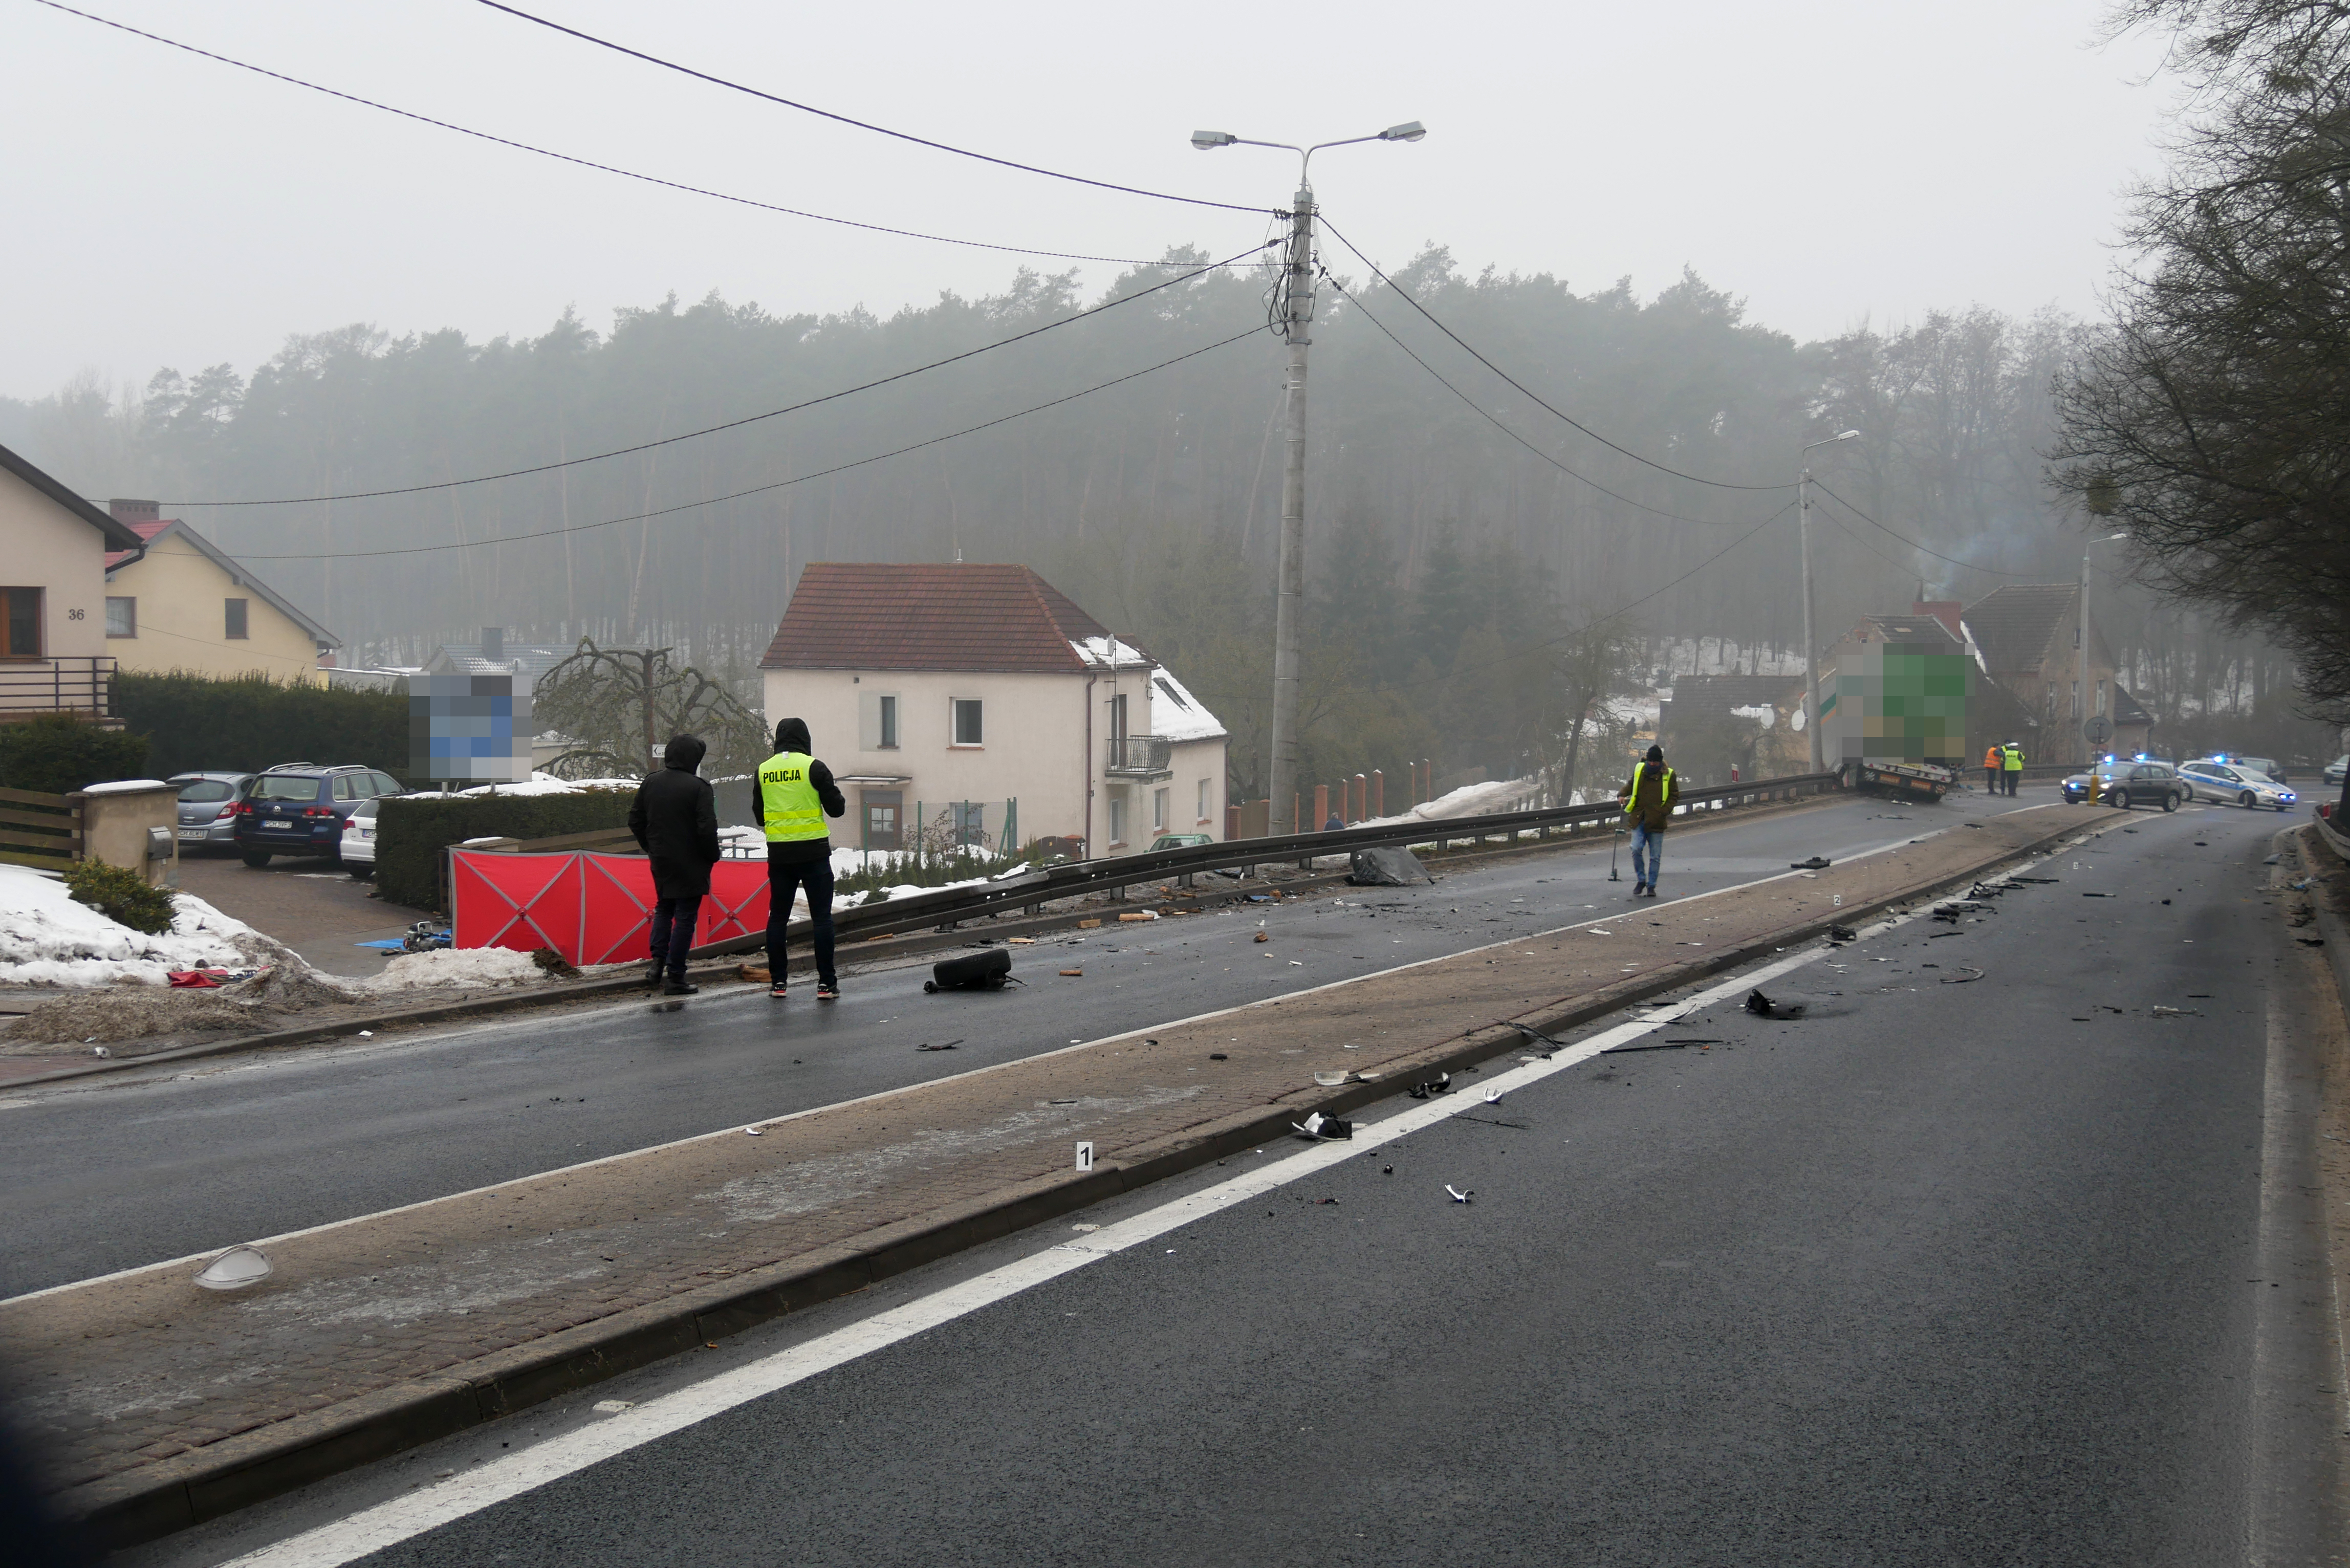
{"x": 1030, "y": 890}
{"x": 82, "y": 685}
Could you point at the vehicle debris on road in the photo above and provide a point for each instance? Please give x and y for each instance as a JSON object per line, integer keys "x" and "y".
{"x": 1762, "y": 1006}
{"x": 1460, "y": 1196}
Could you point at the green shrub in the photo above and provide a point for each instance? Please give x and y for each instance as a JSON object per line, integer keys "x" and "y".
{"x": 57, "y": 754}
{"x": 410, "y": 835}
{"x": 196, "y": 724}
{"x": 121, "y": 895}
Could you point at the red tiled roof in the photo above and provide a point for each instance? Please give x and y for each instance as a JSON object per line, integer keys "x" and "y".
{"x": 871, "y": 616}
{"x": 146, "y": 530}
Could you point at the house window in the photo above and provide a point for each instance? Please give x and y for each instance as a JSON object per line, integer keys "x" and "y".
{"x": 1205, "y": 797}
{"x": 1158, "y": 810}
{"x": 1117, "y": 717}
{"x": 2101, "y": 697}
{"x": 882, "y": 808}
{"x": 122, "y": 616}
{"x": 967, "y": 729}
{"x": 889, "y": 717}
{"x": 235, "y": 617}
{"x": 1118, "y": 819}
{"x": 1167, "y": 687}
{"x": 20, "y": 622}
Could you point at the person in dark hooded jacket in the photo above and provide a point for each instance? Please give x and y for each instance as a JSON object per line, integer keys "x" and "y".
{"x": 675, "y": 820}
{"x": 796, "y": 794}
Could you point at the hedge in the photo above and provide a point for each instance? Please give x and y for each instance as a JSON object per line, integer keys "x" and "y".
{"x": 57, "y": 754}
{"x": 195, "y": 724}
{"x": 410, "y": 835}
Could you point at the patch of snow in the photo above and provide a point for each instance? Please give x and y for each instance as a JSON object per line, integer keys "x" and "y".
{"x": 48, "y": 938}
{"x": 1186, "y": 718}
{"x": 1762, "y": 713}
{"x": 1104, "y": 652}
{"x": 128, "y": 786}
{"x": 476, "y": 967}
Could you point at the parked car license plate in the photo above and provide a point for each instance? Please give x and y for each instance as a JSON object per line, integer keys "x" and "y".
{"x": 278, "y": 822}
{"x": 192, "y": 832}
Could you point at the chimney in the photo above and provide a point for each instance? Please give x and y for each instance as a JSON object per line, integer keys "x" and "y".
{"x": 134, "y": 511}
{"x": 1947, "y": 611}
{"x": 493, "y": 644}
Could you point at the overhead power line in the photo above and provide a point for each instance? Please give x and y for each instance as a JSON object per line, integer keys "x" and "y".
{"x": 1969, "y": 566}
{"x": 1609, "y": 615}
{"x": 759, "y": 488}
{"x": 589, "y": 163}
{"x": 731, "y": 424}
{"x": 861, "y": 124}
{"x": 1473, "y": 353}
{"x": 1495, "y": 421}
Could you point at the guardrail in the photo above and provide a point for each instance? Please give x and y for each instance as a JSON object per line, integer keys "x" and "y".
{"x": 1030, "y": 890}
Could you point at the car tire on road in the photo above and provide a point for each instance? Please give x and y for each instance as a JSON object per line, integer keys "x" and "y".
{"x": 2118, "y": 800}
{"x": 256, "y": 858}
{"x": 2171, "y": 801}
{"x": 2246, "y": 800}
{"x": 361, "y": 873}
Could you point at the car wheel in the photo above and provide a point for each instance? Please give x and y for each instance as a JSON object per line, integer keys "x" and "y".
{"x": 2171, "y": 801}
{"x": 2119, "y": 799}
{"x": 2246, "y": 800}
{"x": 361, "y": 873}
{"x": 256, "y": 858}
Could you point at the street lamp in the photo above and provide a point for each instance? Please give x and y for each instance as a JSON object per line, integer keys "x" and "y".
{"x": 1804, "y": 536}
{"x": 2088, "y": 745}
{"x": 1281, "y": 810}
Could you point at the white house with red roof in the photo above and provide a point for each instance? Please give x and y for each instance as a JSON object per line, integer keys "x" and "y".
{"x": 942, "y": 695}
{"x": 183, "y": 603}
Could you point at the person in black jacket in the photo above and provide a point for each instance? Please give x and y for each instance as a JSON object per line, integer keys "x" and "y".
{"x": 675, "y": 820}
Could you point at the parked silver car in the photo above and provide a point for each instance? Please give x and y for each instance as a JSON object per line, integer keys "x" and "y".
{"x": 2212, "y": 779}
{"x": 208, "y": 809}
{"x": 2335, "y": 769}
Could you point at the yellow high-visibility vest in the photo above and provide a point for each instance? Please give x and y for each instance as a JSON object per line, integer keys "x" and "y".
{"x": 2014, "y": 755}
{"x": 790, "y": 804}
{"x": 1664, "y": 789}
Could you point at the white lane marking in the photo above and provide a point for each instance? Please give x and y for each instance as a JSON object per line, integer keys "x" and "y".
{"x": 510, "y": 1476}
{"x": 736, "y": 1129}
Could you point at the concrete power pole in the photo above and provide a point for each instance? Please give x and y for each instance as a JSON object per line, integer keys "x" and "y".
{"x": 1289, "y": 607}
{"x": 1811, "y": 648}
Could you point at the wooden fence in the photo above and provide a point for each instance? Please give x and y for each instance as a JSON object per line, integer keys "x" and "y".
{"x": 43, "y": 830}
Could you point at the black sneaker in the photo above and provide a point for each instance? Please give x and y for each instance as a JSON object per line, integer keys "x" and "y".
{"x": 778, "y": 991}
{"x": 828, "y": 990}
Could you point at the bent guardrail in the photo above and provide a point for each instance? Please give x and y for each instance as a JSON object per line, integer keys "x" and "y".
{"x": 1029, "y": 891}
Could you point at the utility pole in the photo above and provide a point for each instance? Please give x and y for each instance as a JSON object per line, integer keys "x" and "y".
{"x": 1289, "y": 604}
{"x": 2089, "y": 716}
{"x": 1811, "y": 647}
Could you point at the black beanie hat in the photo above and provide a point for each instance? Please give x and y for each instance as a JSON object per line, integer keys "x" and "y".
{"x": 1655, "y": 753}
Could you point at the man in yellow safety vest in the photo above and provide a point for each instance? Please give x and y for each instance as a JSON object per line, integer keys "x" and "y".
{"x": 1649, "y": 797}
{"x": 2011, "y": 764}
{"x": 796, "y": 794}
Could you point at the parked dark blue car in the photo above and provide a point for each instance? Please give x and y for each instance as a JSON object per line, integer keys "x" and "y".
{"x": 299, "y": 808}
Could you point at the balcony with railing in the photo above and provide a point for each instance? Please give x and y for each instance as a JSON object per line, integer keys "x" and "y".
{"x": 82, "y": 685}
{"x": 1138, "y": 757}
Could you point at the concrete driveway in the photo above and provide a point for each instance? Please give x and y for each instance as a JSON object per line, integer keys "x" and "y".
{"x": 314, "y": 906}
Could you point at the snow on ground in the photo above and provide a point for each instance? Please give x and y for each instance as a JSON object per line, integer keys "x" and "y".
{"x": 47, "y": 939}
{"x": 475, "y": 967}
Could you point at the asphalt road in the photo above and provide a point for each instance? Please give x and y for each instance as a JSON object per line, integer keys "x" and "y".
{"x": 1967, "y": 1272}
{"x": 155, "y": 1164}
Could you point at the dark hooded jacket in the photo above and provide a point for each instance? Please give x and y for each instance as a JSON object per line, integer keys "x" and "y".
{"x": 791, "y": 736}
{"x": 675, "y": 820}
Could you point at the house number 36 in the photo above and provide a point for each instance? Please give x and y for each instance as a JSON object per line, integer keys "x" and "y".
{"x": 73, "y": 614}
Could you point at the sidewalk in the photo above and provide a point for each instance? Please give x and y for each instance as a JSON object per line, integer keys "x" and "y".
{"x": 160, "y": 1403}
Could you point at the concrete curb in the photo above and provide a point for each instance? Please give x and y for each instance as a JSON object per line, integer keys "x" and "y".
{"x": 2316, "y": 850}
{"x": 173, "y": 1494}
{"x": 905, "y": 945}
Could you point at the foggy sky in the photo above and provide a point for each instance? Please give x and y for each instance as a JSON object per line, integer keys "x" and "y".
{"x": 1831, "y": 161}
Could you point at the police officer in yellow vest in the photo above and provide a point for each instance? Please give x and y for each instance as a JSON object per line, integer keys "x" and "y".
{"x": 796, "y": 794}
{"x": 2012, "y": 762}
{"x": 1649, "y": 797}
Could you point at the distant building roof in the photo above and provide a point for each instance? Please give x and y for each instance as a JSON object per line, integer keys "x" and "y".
{"x": 2014, "y": 627}
{"x": 151, "y": 531}
{"x": 2127, "y": 709}
{"x": 1177, "y": 715}
{"x": 116, "y": 535}
{"x": 1910, "y": 629}
{"x": 1695, "y": 694}
{"x": 877, "y": 616}
{"x": 524, "y": 661}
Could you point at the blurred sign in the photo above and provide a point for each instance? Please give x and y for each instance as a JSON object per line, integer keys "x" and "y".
{"x": 2099, "y": 730}
{"x": 468, "y": 729}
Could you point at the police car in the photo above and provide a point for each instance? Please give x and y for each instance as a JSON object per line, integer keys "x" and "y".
{"x": 2222, "y": 779}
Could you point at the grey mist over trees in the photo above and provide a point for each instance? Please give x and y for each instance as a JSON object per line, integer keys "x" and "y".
{"x": 2210, "y": 421}
{"x": 1463, "y": 576}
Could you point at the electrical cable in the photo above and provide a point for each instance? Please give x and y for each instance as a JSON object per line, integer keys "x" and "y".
{"x": 1611, "y": 614}
{"x": 1495, "y": 421}
{"x": 1587, "y": 430}
{"x": 1969, "y": 566}
{"x": 589, "y": 163}
{"x": 860, "y": 124}
{"x": 756, "y": 489}
{"x": 731, "y": 424}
